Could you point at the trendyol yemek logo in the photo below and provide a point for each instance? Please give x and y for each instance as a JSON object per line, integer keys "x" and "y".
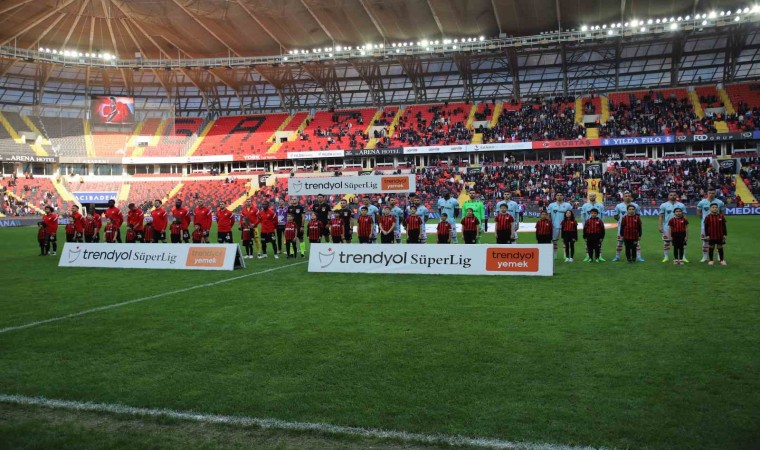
{"x": 74, "y": 254}
{"x": 325, "y": 259}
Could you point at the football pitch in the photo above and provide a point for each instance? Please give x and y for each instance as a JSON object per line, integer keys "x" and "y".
{"x": 612, "y": 355}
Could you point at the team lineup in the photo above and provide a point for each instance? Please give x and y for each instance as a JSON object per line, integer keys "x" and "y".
{"x": 285, "y": 227}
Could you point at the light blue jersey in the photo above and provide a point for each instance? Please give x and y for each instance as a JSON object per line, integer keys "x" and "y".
{"x": 557, "y": 212}
{"x": 621, "y": 209}
{"x": 586, "y": 210}
{"x": 372, "y": 210}
{"x": 704, "y": 207}
{"x": 399, "y": 215}
{"x": 668, "y": 210}
{"x": 448, "y": 207}
{"x": 512, "y": 208}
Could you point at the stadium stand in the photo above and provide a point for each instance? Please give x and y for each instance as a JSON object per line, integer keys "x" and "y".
{"x": 434, "y": 124}
{"x": 241, "y": 135}
{"x": 745, "y": 100}
{"x": 211, "y": 191}
{"x": 342, "y": 129}
{"x": 32, "y": 194}
{"x": 109, "y": 143}
{"x": 8, "y": 144}
{"x": 142, "y": 192}
{"x": 66, "y": 135}
{"x": 536, "y": 120}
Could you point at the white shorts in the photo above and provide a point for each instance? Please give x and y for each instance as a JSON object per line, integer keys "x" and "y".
{"x": 666, "y": 233}
{"x": 556, "y": 233}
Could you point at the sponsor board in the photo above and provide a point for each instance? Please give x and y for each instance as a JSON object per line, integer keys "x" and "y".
{"x": 82, "y": 160}
{"x": 152, "y": 256}
{"x": 257, "y": 158}
{"x": 567, "y": 143}
{"x": 366, "y": 184}
{"x": 743, "y": 211}
{"x": 436, "y": 149}
{"x": 8, "y": 223}
{"x": 715, "y": 137}
{"x": 456, "y": 259}
{"x": 94, "y": 197}
{"x": 316, "y": 154}
{"x": 175, "y": 160}
{"x": 638, "y": 140}
{"x": 502, "y": 146}
{"x": 376, "y": 152}
{"x": 29, "y": 158}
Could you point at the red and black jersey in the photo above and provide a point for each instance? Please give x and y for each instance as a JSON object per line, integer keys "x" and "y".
{"x": 110, "y": 234}
{"x": 504, "y": 222}
{"x": 70, "y": 229}
{"x": 544, "y": 227}
{"x": 413, "y": 223}
{"x": 569, "y": 225}
{"x": 593, "y": 226}
{"x": 41, "y": 234}
{"x": 131, "y": 235}
{"x": 444, "y": 229}
{"x": 291, "y": 228}
{"x": 336, "y": 227}
{"x": 470, "y": 224}
{"x": 630, "y": 227}
{"x": 197, "y": 236}
{"x": 246, "y": 234}
{"x": 715, "y": 227}
{"x": 175, "y": 229}
{"x": 90, "y": 226}
{"x": 678, "y": 225}
{"x": 365, "y": 225}
{"x": 224, "y": 220}
{"x": 148, "y": 236}
{"x": 315, "y": 229}
{"x": 387, "y": 223}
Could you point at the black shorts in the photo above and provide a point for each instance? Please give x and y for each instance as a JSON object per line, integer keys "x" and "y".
{"x": 139, "y": 236}
{"x": 413, "y": 236}
{"x": 443, "y": 240}
{"x": 336, "y": 240}
{"x": 267, "y": 237}
{"x": 175, "y": 238}
{"x": 69, "y": 238}
{"x": 503, "y": 237}
{"x": 79, "y": 237}
{"x": 387, "y": 238}
{"x": 185, "y": 235}
{"x": 546, "y": 239}
{"x": 365, "y": 239}
{"x": 326, "y": 232}
{"x": 315, "y": 241}
{"x": 715, "y": 242}
{"x": 470, "y": 237}
{"x": 205, "y": 233}
{"x": 224, "y": 236}
{"x": 88, "y": 238}
{"x": 52, "y": 238}
{"x": 159, "y": 236}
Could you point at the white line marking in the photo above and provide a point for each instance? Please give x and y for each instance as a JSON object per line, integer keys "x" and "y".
{"x": 138, "y": 300}
{"x": 277, "y": 424}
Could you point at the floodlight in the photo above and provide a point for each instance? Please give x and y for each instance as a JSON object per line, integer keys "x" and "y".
{"x": 673, "y": 26}
{"x": 481, "y": 38}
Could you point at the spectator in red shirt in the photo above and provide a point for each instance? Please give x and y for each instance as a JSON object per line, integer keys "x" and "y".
{"x": 224, "y": 222}
{"x": 183, "y": 214}
{"x": 51, "y": 227}
{"x": 160, "y": 220}
{"x": 268, "y": 219}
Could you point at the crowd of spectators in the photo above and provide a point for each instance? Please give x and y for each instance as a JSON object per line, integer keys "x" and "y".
{"x": 437, "y": 129}
{"x": 653, "y": 115}
{"x": 750, "y": 173}
{"x": 537, "y": 120}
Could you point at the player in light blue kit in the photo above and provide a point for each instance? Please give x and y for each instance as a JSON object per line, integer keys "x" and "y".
{"x": 667, "y": 212}
{"x": 621, "y": 209}
{"x": 398, "y": 213}
{"x": 586, "y": 213}
{"x": 450, "y": 206}
{"x": 557, "y": 210}
{"x": 703, "y": 210}
{"x": 513, "y": 209}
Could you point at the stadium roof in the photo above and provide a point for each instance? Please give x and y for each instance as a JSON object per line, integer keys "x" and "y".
{"x": 220, "y": 28}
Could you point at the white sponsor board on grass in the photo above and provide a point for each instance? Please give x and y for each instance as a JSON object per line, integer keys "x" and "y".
{"x": 367, "y": 184}
{"x": 151, "y": 256}
{"x": 479, "y": 259}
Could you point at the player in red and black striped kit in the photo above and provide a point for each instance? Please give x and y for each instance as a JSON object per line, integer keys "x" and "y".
{"x": 291, "y": 236}
{"x": 175, "y": 231}
{"x": 505, "y": 226}
{"x": 246, "y": 236}
{"x": 593, "y": 234}
{"x": 716, "y": 232}
{"x": 336, "y": 229}
{"x": 42, "y": 238}
{"x": 470, "y": 227}
{"x": 544, "y": 229}
{"x": 314, "y": 230}
{"x": 365, "y": 226}
{"x": 444, "y": 229}
{"x": 631, "y": 231}
{"x": 677, "y": 226}
{"x": 569, "y": 231}
{"x": 387, "y": 225}
{"x": 413, "y": 225}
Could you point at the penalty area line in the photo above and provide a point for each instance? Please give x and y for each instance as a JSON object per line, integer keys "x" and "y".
{"x": 277, "y": 424}
{"x": 141, "y": 299}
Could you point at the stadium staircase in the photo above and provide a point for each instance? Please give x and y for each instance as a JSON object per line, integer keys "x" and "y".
{"x": 723, "y": 96}
{"x": 372, "y": 142}
{"x": 694, "y": 99}
{"x": 721, "y": 126}
{"x": 252, "y": 189}
{"x": 16, "y": 138}
{"x": 273, "y": 137}
{"x": 743, "y": 191}
{"x": 276, "y": 147}
{"x": 173, "y": 192}
{"x": 89, "y": 143}
{"x": 33, "y": 127}
{"x": 198, "y": 141}
{"x": 158, "y": 133}
{"x": 131, "y": 140}
{"x": 471, "y": 117}
{"x": 63, "y": 192}
{"x": 579, "y": 110}
{"x": 496, "y": 113}
{"x": 123, "y": 194}
{"x": 605, "y": 116}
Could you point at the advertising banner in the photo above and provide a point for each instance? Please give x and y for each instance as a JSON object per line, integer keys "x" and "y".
{"x": 176, "y": 159}
{"x": 95, "y": 197}
{"x": 152, "y": 256}
{"x": 436, "y": 149}
{"x": 567, "y": 143}
{"x": 638, "y": 140}
{"x": 316, "y": 154}
{"x": 460, "y": 259}
{"x": 367, "y": 184}
{"x": 500, "y": 146}
{"x": 715, "y": 137}
{"x": 376, "y": 152}
{"x": 28, "y": 159}
{"x": 264, "y": 157}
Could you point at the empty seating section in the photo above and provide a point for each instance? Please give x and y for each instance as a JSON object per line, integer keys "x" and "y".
{"x": 16, "y": 122}
{"x": 65, "y": 134}
{"x": 296, "y": 121}
{"x": 333, "y": 130}
{"x": 241, "y": 135}
{"x": 10, "y": 147}
{"x": 147, "y": 191}
{"x": 437, "y": 124}
{"x": 75, "y": 185}
{"x": 211, "y": 191}
{"x": 110, "y": 144}
{"x": 177, "y": 135}
{"x": 150, "y": 126}
{"x": 746, "y": 101}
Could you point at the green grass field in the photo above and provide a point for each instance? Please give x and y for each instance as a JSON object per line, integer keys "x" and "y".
{"x": 645, "y": 356}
